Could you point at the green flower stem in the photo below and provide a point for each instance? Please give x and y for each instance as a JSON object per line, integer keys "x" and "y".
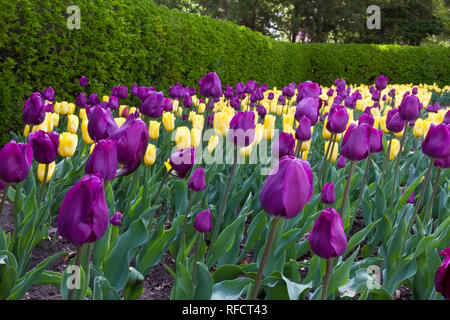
{"x": 273, "y": 231}
{"x": 298, "y": 148}
{"x": 417, "y": 205}
{"x": 63, "y": 168}
{"x": 430, "y": 203}
{"x": 194, "y": 269}
{"x": 5, "y": 195}
{"x": 44, "y": 182}
{"x": 364, "y": 180}
{"x": 330, "y": 157}
{"x": 386, "y": 159}
{"x": 397, "y": 163}
{"x": 191, "y": 198}
{"x": 224, "y": 203}
{"x": 347, "y": 187}
{"x": 326, "y": 279}
{"x": 325, "y": 159}
{"x": 162, "y": 183}
{"x": 80, "y": 250}
{"x": 205, "y": 120}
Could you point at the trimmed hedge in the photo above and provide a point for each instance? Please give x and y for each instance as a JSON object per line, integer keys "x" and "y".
{"x": 127, "y": 41}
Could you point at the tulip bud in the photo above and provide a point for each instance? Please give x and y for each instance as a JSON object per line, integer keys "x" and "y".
{"x": 197, "y": 182}
{"x": 212, "y": 143}
{"x": 395, "y": 148}
{"x": 283, "y": 146}
{"x": 45, "y": 146}
{"x": 153, "y": 105}
{"x": 221, "y": 123}
{"x": 153, "y": 131}
{"x": 93, "y": 99}
{"x": 288, "y": 188}
{"x": 33, "y": 112}
{"x": 150, "y": 155}
{"x": 83, "y": 81}
{"x": 202, "y": 222}
{"x": 269, "y": 127}
{"x": 72, "y": 123}
{"x": 394, "y": 123}
{"x": 341, "y": 162}
{"x": 101, "y": 123}
{"x": 182, "y": 161}
{"x": 337, "y": 119}
{"x": 83, "y": 215}
{"x": 196, "y": 136}
{"x": 103, "y": 160}
{"x": 308, "y": 107}
{"x": 327, "y": 238}
{"x": 442, "y": 277}
{"x": 85, "y": 133}
{"x": 411, "y": 197}
{"x": 437, "y": 142}
{"x": 328, "y": 195}
{"x": 15, "y": 162}
{"x": 116, "y": 219}
{"x": 67, "y": 144}
{"x": 355, "y": 145}
{"x": 376, "y": 141}
{"x": 41, "y": 171}
{"x": 210, "y": 86}
{"x": 303, "y": 132}
{"x": 242, "y": 129}
{"x": 381, "y": 82}
{"x": 183, "y": 137}
{"x": 418, "y": 130}
{"x": 409, "y": 109}
{"x": 168, "y": 120}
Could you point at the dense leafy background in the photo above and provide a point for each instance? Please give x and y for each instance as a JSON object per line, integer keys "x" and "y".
{"x": 127, "y": 41}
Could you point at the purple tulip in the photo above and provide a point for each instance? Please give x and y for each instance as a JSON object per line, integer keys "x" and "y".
{"x": 434, "y": 108}
{"x": 113, "y": 103}
{"x": 411, "y": 197}
{"x": 437, "y": 142}
{"x": 409, "y": 109}
{"x": 103, "y": 160}
{"x": 308, "y": 107}
{"x": 45, "y": 146}
{"x": 202, "y": 222}
{"x": 283, "y": 146}
{"x": 83, "y": 215}
{"x": 153, "y": 105}
{"x": 210, "y": 86}
{"x": 381, "y": 82}
{"x": 33, "y": 112}
{"x": 197, "y": 182}
{"x": 415, "y": 90}
{"x": 235, "y": 103}
{"x": 327, "y": 238}
{"x": 142, "y": 93}
{"x": 83, "y": 81}
{"x": 271, "y": 96}
{"x": 289, "y": 91}
{"x": 394, "y": 122}
{"x": 446, "y": 119}
{"x": 310, "y": 89}
{"x": 251, "y": 86}
{"x": 93, "y": 99}
{"x": 182, "y": 161}
{"x": 337, "y": 119}
{"x": 264, "y": 87}
{"x": 262, "y": 112}
{"x": 442, "y": 277}
{"x": 115, "y": 91}
{"x": 101, "y": 123}
{"x": 229, "y": 92}
{"x": 123, "y": 92}
{"x": 48, "y": 94}
{"x": 366, "y": 118}
{"x": 341, "y": 162}
{"x": 376, "y": 141}
{"x": 48, "y": 107}
{"x": 288, "y": 188}
{"x": 187, "y": 101}
{"x": 81, "y": 100}
{"x": 168, "y": 105}
{"x": 134, "y": 89}
{"x": 303, "y": 131}
{"x": 116, "y": 219}
{"x": 282, "y": 100}
{"x": 242, "y": 129}
{"x": 355, "y": 145}
{"x": 240, "y": 88}
{"x": 328, "y": 195}
{"x": 15, "y": 162}
{"x": 131, "y": 141}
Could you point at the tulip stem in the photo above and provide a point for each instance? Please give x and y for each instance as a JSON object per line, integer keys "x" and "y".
{"x": 273, "y": 231}
{"x": 44, "y": 182}
{"x": 330, "y": 156}
{"x": 326, "y": 279}
{"x": 194, "y": 269}
{"x": 63, "y": 168}
{"x": 162, "y": 183}
{"x": 397, "y": 163}
{"x": 388, "y": 154}
{"x": 347, "y": 188}
{"x": 80, "y": 250}
{"x": 325, "y": 159}
{"x": 364, "y": 180}
{"x": 298, "y": 148}
{"x": 5, "y": 194}
{"x": 191, "y": 198}
{"x": 417, "y": 205}
{"x": 224, "y": 202}
{"x": 430, "y": 203}
{"x": 87, "y": 262}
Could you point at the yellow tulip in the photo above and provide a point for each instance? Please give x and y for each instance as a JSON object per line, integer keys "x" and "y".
{"x": 168, "y": 120}
{"x": 86, "y": 138}
{"x": 46, "y": 125}
{"x": 305, "y": 154}
{"x": 67, "y": 144}
{"x": 150, "y": 155}
{"x": 269, "y": 126}
{"x": 198, "y": 121}
{"x": 191, "y": 115}
{"x": 400, "y": 134}
{"x": 41, "y": 171}
{"x": 201, "y": 107}
{"x": 183, "y": 137}
{"x": 221, "y": 124}
{"x": 376, "y": 122}
{"x": 395, "y": 148}
{"x": 279, "y": 110}
{"x": 153, "y": 130}
{"x": 175, "y": 104}
{"x": 83, "y": 115}
{"x": 196, "y": 136}
{"x": 120, "y": 121}
{"x": 259, "y": 131}
{"x": 246, "y": 151}
{"x": 325, "y": 133}
{"x": 72, "y": 123}
{"x": 121, "y": 108}
{"x": 212, "y": 143}
{"x": 383, "y": 124}
{"x": 426, "y": 127}
{"x": 334, "y": 155}
{"x": 167, "y": 165}
{"x": 26, "y": 131}
{"x": 288, "y": 120}
{"x": 55, "y": 120}
{"x": 105, "y": 98}
{"x": 132, "y": 110}
{"x": 65, "y": 108}
{"x": 419, "y": 128}
{"x": 57, "y": 107}
{"x": 306, "y": 145}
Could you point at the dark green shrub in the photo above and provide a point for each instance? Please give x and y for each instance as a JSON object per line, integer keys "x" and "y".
{"x": 127, "y": 41}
